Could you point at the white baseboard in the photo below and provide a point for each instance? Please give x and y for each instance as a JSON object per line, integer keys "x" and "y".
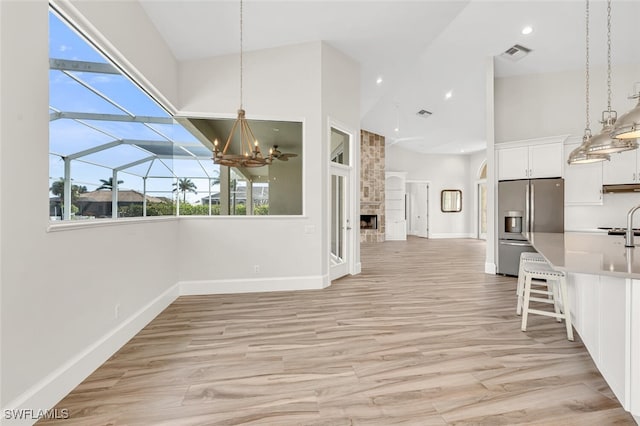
{"x": 357, "y": 269}
{"x": 490, "y": 268}
{"x": 452, "y": 235}
{"x": 255, "y": 285}
{"x": 57, "y": 384}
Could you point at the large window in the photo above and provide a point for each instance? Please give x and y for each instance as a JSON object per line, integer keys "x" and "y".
{"x": 114, "y": 152}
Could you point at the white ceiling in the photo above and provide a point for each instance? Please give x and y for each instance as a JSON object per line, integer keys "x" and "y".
{"x": 421, "y": 49}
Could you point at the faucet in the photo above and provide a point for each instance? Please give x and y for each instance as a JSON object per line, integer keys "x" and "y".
{"x": 628, "y": 237}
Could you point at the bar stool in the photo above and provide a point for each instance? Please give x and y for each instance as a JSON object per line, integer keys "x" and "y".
{"x": 555, "y": 279}
{"x": 525, "y": 257}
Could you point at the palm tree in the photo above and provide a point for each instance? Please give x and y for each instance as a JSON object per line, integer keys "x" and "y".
{"x": 108, "y": 184}
{"x": 215, "y": 179}
{"x": 57, "y": 189}
{"x": 185, "y": 185}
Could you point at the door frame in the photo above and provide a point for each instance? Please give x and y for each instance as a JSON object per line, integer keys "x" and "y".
{"x": 351, "y": 199}
{"x": 428, "y": 197}
{"x": 478, "y": 213}
{"x": 341, "y": 269}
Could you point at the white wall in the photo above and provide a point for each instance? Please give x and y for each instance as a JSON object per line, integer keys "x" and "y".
{"x": 551, "y": 104}
{"x": 282, "y": 84}
{"x": 341, "y": 108}
{"x": 59, "y": 289}
{"x": 443, "y": 172}
{"x": 533, "y": 106}
{"x": 295, "y": 82}
{"x": 130, "y": 38}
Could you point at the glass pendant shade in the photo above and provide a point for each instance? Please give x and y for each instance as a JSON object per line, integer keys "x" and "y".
{"x": 581, "y": 154}
{"x": 603, "y": 143}
{"x": 628, "y": 125}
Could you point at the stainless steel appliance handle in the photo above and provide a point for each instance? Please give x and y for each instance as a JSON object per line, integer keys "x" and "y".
{"x": 514, "y": 243}
{"x": 526, "y": 209}
{"x": 533, "y": 207}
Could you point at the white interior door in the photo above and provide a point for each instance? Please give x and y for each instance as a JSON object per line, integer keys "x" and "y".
{"x": 341, "y": 226}
{"x": 418, "y": 209}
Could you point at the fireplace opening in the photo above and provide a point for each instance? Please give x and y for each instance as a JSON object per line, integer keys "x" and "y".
{"x": 368, "y": 221}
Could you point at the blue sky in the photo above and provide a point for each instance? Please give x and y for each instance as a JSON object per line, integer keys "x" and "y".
{"x": 68, "y": 136}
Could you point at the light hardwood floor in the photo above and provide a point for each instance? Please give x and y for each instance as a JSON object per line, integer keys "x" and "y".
{"x": 421, "y": 337}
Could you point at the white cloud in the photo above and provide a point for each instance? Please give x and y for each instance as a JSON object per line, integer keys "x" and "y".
{"x": 64, "y": 48}
{"x": 101, "y": 79}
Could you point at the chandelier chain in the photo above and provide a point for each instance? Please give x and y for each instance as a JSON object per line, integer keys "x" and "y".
{"x": 588, "y": 122}
{"x": 241, "y": 64}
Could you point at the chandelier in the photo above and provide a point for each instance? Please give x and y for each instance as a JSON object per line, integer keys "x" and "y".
{"x": 250, "y": 154}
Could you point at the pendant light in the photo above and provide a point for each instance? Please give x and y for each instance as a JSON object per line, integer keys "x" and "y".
{"x": 581, "y": 155}
{"x": 603, "y": 142}
{"x": 628, "y": 126}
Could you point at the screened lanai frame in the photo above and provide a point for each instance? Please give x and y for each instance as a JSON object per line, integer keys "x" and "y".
{"x": 117, "y": 127}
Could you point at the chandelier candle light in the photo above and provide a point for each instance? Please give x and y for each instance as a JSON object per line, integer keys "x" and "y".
{"x": 250, "y": 154}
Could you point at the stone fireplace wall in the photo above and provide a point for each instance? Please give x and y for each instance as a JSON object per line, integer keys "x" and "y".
{"x": 372, "y": 184}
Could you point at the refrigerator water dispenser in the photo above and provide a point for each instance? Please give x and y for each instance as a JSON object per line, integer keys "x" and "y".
{"x": 513, "y": 222}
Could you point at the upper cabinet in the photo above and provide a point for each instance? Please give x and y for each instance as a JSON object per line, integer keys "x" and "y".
{"x": 530, "y": 161}
{"x": 513, "y": 163}
{"x": 622, "y": 168}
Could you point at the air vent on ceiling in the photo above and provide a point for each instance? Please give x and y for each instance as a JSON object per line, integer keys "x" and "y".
{"x": 424, "y": 113}
{"x": 516, "y": 52}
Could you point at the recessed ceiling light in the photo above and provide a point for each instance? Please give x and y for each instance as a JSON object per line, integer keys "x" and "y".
{"x": 448, "y": 95}
{"x": 379, "y": 81}
{"x": 527, "y": 30}
{"x": 462, "y": 150}
{"x": 396, "y": 129}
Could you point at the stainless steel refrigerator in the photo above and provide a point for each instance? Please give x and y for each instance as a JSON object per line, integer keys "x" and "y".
{"x": 529, "y": 205}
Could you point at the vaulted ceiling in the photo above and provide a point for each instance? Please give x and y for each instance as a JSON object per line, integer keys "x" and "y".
{"x": 421, "y": 50}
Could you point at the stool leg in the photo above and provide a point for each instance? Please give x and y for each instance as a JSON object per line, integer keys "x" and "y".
{"x": 525, "y": 308}
{"x": 556, "y": 297}
{"x": 565, "y": 306}
{"x": 520, "y": 288}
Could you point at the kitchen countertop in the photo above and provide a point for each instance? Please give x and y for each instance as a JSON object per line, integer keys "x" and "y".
{"x": 588, "y": 253}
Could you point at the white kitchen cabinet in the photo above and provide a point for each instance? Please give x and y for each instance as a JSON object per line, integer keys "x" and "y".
{"x": 622, "y": 168}
{"x": 530, "y": 161}
{"x": 395, "y": 215}
{"x": 601, "y": 314}
{"x": 545, "y": 160}
{"x": 582, "y": 182}
{"x": 513, "y": 163}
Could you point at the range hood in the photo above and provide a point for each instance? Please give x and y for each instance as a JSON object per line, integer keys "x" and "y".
{"x": 630, "y": 187}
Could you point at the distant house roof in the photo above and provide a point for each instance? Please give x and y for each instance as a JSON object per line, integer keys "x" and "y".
{"x": 125, "y": 195}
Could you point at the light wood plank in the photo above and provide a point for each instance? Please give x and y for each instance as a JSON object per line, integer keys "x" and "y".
{"x": 422, "y": 336}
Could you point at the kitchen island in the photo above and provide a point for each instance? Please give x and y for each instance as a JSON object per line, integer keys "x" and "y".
{"x": 603, "y": 278}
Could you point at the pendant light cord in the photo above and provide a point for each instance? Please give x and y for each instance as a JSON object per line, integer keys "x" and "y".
{"x": 241, "y": 65}
{"x": 587, "y": 129}
{"x": 609, "y": 55}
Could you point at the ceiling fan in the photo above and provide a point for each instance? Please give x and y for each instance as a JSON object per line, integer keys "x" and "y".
{"x": 283, "y": 156}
